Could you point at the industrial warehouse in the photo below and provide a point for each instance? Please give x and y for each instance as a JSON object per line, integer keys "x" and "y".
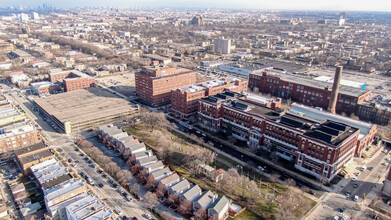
{"x": 84, "y": 108}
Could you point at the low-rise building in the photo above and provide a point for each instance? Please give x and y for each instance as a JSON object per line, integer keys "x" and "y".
{"x": 191, "y": 194}
{"x": 27, "y": 161}
{"x": 152, "y": 167}
{"x": 135, "y": 148}
{"x": 219, "y": 208}
{"x": 160, "y": 174}
{"x": 205, "y": 201}
{"x": 72, "y": 79}
{"x": 63, "y": 192}
{"x": 169, "y": 180}
{"x": 179, "y": 187}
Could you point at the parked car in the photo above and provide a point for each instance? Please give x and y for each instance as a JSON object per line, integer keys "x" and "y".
{"x": 69, "y": 160}
{"x": 341, "y": 210}
{"x": 354, "y": 179}
{"x": 261, "y": 168}
{"x": 147, "y": 216}
{"x": 101, "y": 185}
{"x": 355, "y": 198}
{"x": 119, "y": 212}
{"x": 355, "y": 185}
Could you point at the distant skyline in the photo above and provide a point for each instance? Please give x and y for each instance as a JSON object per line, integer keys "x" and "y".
{"x": 332, "y": 5}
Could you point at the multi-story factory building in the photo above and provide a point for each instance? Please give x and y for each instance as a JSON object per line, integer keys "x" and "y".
{"x": 319, "y": 146}
{"x": 307, "y": 91}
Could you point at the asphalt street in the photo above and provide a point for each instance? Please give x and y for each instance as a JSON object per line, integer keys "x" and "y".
{"x": 113, "y": 198}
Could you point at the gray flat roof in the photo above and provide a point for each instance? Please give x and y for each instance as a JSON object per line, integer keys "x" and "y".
{"x": 345, "y": 90}
{"x": 84, "y": 105}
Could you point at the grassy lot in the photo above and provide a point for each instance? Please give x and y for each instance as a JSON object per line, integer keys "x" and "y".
{"x": 246, "y": 215}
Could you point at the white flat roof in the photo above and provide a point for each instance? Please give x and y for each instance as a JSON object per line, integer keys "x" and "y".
{"x": 321, "y": 115}
{"x": 48, "y": 169}
{"x": 44, "y": 164}
{"x": 62, "y": 189}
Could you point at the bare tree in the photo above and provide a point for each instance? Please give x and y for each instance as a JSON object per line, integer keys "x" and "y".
{"x": 135, "y": 188}
{"x": 151, "y": 182}
{"x": 290, "y": 182}
{"x": 166, "y": 215}
{"x": 161, "y": 191}
{"x": 173, "y": 199}
{"x": 305, "y": 189}
{"x": 201, "y": 214}
{"x": 135, "y": 168}
{"x": 142, "y": 175}
{"x": 274, "y": 177}
{"x": 150, "y": 199}
{"x": 185, "y": 206}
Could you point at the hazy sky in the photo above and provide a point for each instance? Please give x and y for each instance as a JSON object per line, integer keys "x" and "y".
{"x": 334, "y": 5}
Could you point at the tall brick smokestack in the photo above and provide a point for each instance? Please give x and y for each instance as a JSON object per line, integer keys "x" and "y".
{"x": 335, "y": 91}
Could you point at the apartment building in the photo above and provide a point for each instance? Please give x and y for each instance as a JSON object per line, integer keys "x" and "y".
{"x": 307, "y": 91}
{"x": 154, "y": 83}
{"x": 317, "y": 147}
{"x": 184, "y": 100}
{"x": 222, "y": 45}
{"x": 18, "y": 136}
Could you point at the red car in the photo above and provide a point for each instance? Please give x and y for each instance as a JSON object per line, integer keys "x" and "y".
{"x": 69, "y": 160}
{"x": 100, "y": 171}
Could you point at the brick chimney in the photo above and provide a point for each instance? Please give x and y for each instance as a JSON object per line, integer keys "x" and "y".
{"x": 335, "y": 90}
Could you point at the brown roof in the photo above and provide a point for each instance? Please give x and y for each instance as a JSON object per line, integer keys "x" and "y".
{"x": 20, "y": 195}
{"x": 35, "y": 147}
{"x": 36, "y": 216}
{"x": 17, "y": 187}
{"x": 37, "y": 156}
{"x": 57, "y": 181}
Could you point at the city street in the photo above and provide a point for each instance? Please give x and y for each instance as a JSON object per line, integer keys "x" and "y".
{"x": 61, "y": 141}
{"x": 343, "y": 198}
{"x": 113, "y": 198}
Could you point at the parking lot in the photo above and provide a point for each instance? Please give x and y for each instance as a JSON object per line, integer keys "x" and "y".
{"x": 124, "y": 83}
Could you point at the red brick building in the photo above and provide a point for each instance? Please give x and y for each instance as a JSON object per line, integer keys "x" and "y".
{"x": 17, "y": 136}
{"x": 319, "y": 149}
{"x": 307, "y": 91}
{"x": 184, "y": 101}
{"x": 154, "y": 83}
{"x": 72, "y": 79}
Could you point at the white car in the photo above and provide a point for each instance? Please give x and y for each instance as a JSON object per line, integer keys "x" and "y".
{"x": 354, "y": 179}
{"x": 261, "y": 168}
{"x": 148, "y": 216}
{"x": 119, "y": 212}
{"x": 357, "y": 174}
